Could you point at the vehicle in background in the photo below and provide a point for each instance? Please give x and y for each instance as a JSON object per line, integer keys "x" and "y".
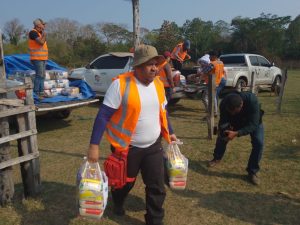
{"x": 18, "y": 67}
{"x": 240, "y": 67}
{"x": 100, "y": 72}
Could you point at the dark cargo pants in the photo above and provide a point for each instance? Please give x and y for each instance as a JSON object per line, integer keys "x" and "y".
{"x": 150, "y": 162}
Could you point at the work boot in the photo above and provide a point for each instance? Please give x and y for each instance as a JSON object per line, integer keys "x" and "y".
{"x": 253, "y": 179}
{"x": 119, "y": 210}
{"x": 213, "y": 163}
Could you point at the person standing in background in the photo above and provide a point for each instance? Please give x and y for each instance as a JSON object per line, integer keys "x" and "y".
{"x": 180, "y": 54}
{"x": 165, "y": 75}
{"x": 38, "y": 51}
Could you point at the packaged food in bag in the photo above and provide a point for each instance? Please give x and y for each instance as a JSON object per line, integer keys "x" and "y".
{"x": 92, "y": 188}
{"x": 177, "y": 167}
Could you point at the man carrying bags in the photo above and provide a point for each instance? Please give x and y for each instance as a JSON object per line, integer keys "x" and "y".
{"x": 134, "y": 116}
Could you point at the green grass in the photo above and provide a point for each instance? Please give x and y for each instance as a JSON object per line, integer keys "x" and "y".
{"x": 216, "y": 196}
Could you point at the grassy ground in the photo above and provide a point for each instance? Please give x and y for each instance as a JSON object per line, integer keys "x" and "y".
{"x": 216, "y": 196}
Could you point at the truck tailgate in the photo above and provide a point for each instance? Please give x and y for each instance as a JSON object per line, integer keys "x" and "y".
{"x": 46, "y": 107}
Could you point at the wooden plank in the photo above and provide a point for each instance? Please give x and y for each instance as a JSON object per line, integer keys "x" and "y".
{"x": 12, "y": 102}
{"x": 18, "y": 160}
{"x": 2, "y": 65}
{"x": 5, "y": 89}
{"x": 18, "y": 136}
{"x": 31, "y": 116}
{"x": 6, "y": 175}
{"x": 16, "y": 111}
{"x": 30, "y": 170}
{"x": 211, "y": 100}
{"x": 282, "y": 86}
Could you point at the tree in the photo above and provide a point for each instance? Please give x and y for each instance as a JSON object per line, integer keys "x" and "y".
{"x": 14, "y": 30}
{"x": 113, "y": 33}
{"x": 63, "y": 29}
{"x": 293, "y": 39}
{"x": 168, "y": 36}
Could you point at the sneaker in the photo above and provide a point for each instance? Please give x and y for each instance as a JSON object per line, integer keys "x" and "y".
{"x": 213, "y": 163}
{"x": 119, "y": 210}
{"x": 253, "y": 179}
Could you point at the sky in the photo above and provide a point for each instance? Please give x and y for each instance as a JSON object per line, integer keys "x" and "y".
{"x": 152, "y": 12}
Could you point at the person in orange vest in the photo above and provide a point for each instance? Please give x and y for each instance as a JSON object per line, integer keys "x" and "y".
{"x": 180, "y": 54}
{"x": 38, "y": 51}
{"x": 165, "y": 75}
{"x": 134, "y": 116}
{"x": 215, "y": 67}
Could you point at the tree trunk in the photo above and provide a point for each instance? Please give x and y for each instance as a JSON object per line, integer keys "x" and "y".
{"x": 136, "y": 22}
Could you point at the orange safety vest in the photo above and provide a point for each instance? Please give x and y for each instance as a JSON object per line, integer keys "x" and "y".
{"x": 218, "y": 70}
{"x": 182, "y": 54}
{"x": 122, "y": 124}
{"x": 162, "y": 74}
{"x": 37, "y": 51}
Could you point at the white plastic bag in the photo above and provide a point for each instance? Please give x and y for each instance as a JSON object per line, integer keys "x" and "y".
{"x": 177, "y": 166}
{"x": 92, "y": 186}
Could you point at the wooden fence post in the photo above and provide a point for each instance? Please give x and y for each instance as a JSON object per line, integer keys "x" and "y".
{"x": 6, "y": 174}
{"x": 30, "y": 170}
{"x": 282, "y": 86}
{"x": 211, "y": 102}
{"x": 252, "y": 84}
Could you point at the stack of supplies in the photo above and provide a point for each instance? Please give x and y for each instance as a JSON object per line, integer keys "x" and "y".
{"x": 177, "y": 167}
{"x": 55, "y": 82}
{"x": 92, "y": 187}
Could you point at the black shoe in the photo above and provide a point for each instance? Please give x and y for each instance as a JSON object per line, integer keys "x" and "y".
{"x": 253, "y": 179}
{"x": 119, "y": 210}
{"x": 213, "y": 163}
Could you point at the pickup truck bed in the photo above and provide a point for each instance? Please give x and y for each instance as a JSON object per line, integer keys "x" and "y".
{"x": 57, "y": 106}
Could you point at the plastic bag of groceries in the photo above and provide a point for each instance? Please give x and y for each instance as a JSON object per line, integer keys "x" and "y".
{"x": 177, "y": 166}
{"x": 92, "y": 187}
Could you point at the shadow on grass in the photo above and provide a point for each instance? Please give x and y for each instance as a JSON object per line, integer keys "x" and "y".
{"x": 201, "y": 167}
{"x": 290, "y": 152}
{"x": 254, "y": 208}
{"x": 57, "y": 205}
{"x": 47, "y": 123}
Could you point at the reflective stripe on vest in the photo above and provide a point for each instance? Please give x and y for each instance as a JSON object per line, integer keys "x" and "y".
{"x": 37, "y": 51}
{"x": 123, "y": 122}
{"x": 118, "y": 126}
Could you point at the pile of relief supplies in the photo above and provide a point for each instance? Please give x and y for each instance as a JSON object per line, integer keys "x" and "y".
{"x": 92, "y": 189}
{"x": 56, "y": 82}
{"x": 176, "y": 165}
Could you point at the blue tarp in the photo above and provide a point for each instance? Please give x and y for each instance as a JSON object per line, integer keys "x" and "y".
{"x": 85, "y": 93}
{"x": 21, "y": 62}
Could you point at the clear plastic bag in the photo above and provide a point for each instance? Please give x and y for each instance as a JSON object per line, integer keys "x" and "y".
{"x": 92, "y": 187}
{"x": 177, "y": 166}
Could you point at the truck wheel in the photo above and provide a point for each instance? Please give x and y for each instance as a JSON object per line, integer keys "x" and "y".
{"x": 276, "y": 85}
{"x": 240, "y": 85}
{"x": 63, "y": 114}
{"x": 173, "y": 101}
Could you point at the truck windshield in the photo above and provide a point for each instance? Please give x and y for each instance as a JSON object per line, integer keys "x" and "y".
{"x": 227, "y": 60}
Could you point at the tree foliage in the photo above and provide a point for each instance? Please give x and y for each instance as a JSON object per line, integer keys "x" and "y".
{"x": 72, "y": 44}
{"x": 13, "y": 31}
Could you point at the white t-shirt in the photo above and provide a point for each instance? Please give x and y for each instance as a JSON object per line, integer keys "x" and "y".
{"x": 148, "y": 126}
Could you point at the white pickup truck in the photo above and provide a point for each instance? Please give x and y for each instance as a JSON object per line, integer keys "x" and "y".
{"x": 99, "y": 73}
{"x": 240, "y": 67}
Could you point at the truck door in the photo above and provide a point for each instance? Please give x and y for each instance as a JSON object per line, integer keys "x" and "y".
{"x": 265, "y": 70}
{"x": 104, "y": 69}
{"x": 255, "y": 69}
